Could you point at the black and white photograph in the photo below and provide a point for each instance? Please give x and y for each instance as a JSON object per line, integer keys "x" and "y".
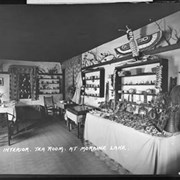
{"x": 90, "y": 89}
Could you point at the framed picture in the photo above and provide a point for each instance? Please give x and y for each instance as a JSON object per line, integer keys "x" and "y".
{"x": 1, "y": 81}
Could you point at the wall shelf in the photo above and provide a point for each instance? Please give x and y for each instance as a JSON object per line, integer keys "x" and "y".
{"x": 49, "y": 83}
{"x": 92, "y": 87}
{"x": 4, "y": 72}
{"x": 59, "y": 74}
{"x": 121, "y": 84}
{"x": 140, "y": 94}
{"x": 49, "y": 89}
{"x": 46, "y": 80}
{"x": 138, "y": 84}
{"x": 139, "y": 104}
{"x": 145, "y": 74}
{"x": 49, "y": 93}
{"x": 97, "y": 85}
{"x": 92, "y": 79}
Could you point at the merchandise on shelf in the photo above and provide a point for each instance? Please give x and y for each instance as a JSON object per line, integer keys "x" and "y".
{"x": 139, "y": 102}
{"x": 152, "y": 122}
{"x": 49, "y": 84}
{"x": 139, "y": 83}
{"x": 93, "y": 83}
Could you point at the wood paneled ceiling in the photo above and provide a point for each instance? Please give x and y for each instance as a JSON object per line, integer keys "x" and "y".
{"x": 58, "y": 32}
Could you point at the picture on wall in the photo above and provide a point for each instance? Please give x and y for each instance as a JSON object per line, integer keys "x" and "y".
{"x": 1, "y": 81}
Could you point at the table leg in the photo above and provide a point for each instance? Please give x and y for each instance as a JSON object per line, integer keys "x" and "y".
{"x": 78, "y": 128}
{"x": 61, "y": 110}
{"x": 68, "y": 122}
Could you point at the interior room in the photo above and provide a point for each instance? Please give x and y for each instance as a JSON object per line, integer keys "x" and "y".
{"x": 90, "y": 89}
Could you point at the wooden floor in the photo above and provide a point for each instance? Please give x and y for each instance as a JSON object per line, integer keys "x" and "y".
{"x": 54, "y": 135}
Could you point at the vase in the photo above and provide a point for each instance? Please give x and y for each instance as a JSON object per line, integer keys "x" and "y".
{"x": 172, "y": 125}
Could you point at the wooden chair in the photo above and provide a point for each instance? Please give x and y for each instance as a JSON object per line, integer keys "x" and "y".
{"x": 6, "y": 126}
{"x": 50, "y": 105}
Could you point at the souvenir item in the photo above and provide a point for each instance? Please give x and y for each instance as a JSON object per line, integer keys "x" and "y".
{"x": 136, "y": 71}
{"x": 132, "y": 90}
{"x": 152, "y": 114}
{"x": 142, "y": 111}
{"x": 158, "y": 77}
{"x": 123, "y": 73}
{"x": 150, "y": 91}
{"x": 130, "y": 108}
{"x": 153, "y": 70}
{"x": 163, "y": 120}
{"x": 139, "y": 100}
{"x": 173, "y": 123}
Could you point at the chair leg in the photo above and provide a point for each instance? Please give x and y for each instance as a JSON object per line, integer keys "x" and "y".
{"x": 9, "y": 141}
{"x": 9, "y": 136}
{"x": 78, "y": 129}
{"x": 17, "y": 126}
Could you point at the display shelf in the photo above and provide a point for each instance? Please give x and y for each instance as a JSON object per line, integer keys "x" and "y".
{"x": 144, "y": 74}
{"x": 4, "y": 72}
{"x": 96, "y": 78}
{"x": 139, "y": 104}
{"x": 49, "y": 89}
{"x": 48, "y": 78}
{"x": 50, "y": 74}
{"x": 92, "y": 79}
{"x": 92, "y": 86}
{"x": 138, "y": 84}
{"x": 123, "y": 84}
{"x": 92, "y": 95}
{"x": 49, "y": 93}
{"x": 47, "y": 82}
{"x": 141, "y": 94}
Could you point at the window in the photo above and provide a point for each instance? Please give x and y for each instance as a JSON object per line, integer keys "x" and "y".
{"x": 23, "y": 82}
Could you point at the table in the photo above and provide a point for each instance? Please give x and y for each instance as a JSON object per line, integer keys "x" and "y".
{"x": 64, "y": 105}
{"x": 12, "y": 120}
{"x": 76, "y": 114}
{"x": 25, "y": 111}
{"x": 11, "y": 110}
{"x": 27, "y": 115}
{"x": 141, "y": 153}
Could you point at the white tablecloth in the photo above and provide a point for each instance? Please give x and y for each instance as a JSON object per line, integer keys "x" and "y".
{"x": 74, "y": 117}
{"x": 138, "y": 152}
{"x": 60, "y": 105}
{"x": 11, "y": 110}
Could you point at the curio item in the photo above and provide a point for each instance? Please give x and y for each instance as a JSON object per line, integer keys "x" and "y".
{"x": 142, "y": 111}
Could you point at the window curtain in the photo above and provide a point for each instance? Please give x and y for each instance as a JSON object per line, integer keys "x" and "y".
{"x": 15, "y": 71}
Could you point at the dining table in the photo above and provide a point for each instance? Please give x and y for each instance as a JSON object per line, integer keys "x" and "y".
{"x": 10, "y": 110}
{"x": 77, "y": 115}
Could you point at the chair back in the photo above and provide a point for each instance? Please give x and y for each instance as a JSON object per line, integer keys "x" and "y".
{"x": 3, "y": 121}
{"x": 48, "y": 101}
